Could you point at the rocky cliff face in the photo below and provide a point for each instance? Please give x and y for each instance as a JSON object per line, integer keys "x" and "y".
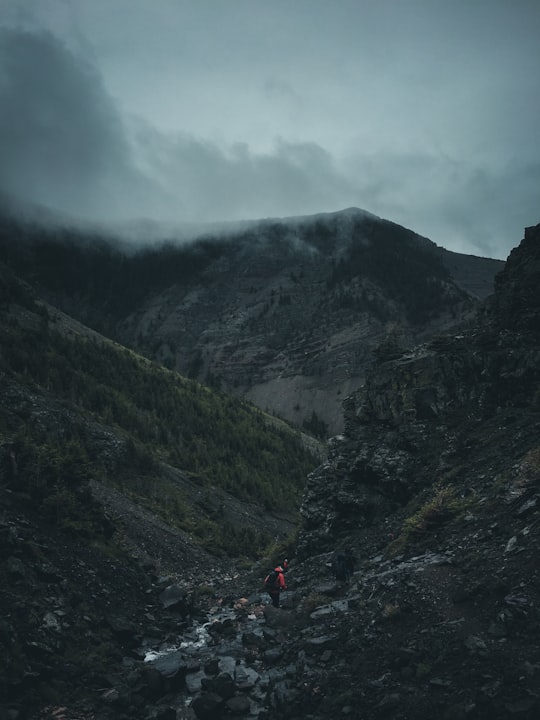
{"x": 437, "y": 412}
{"x": 435, "y": 485}
{"x": 516, "y": 304}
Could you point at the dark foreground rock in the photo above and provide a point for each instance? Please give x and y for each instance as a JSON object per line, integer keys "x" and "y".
{"x": 437, "y": 479}
{"x": 75, "y": 611}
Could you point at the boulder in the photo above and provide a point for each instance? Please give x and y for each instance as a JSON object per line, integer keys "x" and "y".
{"x": 208, "y": 706}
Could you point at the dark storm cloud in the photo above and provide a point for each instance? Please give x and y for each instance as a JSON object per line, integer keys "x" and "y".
{"x": 210, "y": 183}
{"x": 476, "y": 208}
{"x": 64, "y": 145}
{"x": 62, "y": 142}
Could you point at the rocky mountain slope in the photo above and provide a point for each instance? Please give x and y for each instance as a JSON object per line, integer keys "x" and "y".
{"x": 434, "y": 484}
{"x": 285, "y": 313}
{"x": 427, "y": 416}
{"x": 302, "y": 303}
{"x": 94, "y": 511}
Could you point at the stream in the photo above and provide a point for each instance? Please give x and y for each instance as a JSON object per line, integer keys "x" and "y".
{"x": 222, "y": 666}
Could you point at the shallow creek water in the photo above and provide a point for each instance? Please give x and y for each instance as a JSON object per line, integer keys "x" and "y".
{"x": 212, "y": 649}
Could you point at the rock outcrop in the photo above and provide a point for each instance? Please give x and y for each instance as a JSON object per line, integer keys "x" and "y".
{"x": 433, "y": 413}
{"x": 435, "y": 484}
{"x": 516, "y": 305}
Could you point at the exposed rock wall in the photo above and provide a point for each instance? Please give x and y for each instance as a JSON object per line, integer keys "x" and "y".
{"x": 517, "y": 297}
{"x": 412, "y": 422}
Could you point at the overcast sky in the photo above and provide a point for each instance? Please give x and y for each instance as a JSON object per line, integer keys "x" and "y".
{"x": 424, "y": 112}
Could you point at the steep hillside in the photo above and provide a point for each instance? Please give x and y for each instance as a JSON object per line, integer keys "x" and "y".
{"x": 76, "y": 407}
{"x": 435, "y": 485}
{"x": 115, "y": 472}
{"x": 284, "y": 313}
{"x": 414, "y": 420}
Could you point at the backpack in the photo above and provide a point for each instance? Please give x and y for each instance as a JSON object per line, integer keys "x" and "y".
{"x": 271, "y": 580}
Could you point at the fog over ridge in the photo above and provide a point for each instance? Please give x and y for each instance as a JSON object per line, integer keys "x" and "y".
{"x": 69, "y": 140}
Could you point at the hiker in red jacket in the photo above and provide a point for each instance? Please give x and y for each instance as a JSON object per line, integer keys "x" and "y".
{"x": 274, "y": 583}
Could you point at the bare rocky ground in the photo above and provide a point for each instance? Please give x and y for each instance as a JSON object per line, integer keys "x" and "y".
{"x": 450, "y": 627}
{"x": 73, "y": 607}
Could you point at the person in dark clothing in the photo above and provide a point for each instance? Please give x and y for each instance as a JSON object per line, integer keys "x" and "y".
{"x": 343, "y": 564}
{"x": 9, "y": 469}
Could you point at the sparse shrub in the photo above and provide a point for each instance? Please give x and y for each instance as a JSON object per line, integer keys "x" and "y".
{"x": 204, "y": 589}
{"x": 313, "y": 601}
{"x": 435, "y": 511}
{"x": 316, "y": 426}
{"x": 72, "y": 512}
{"x": 530, "y": 468}
{"x": 443, "y": 505}
{"x": 34, "y": 551}
{"x": 391, "y": 611}
{"x": 423, "y": 670}
{"x": 244, "y": 565}
{"x": 275, "y": 552}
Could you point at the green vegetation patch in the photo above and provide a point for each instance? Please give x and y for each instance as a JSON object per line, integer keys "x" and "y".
{"x": 116, "y": 417}
{"x": 443, "y": 504}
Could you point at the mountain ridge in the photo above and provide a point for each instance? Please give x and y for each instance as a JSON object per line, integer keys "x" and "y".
{"x": 285, "y": 313}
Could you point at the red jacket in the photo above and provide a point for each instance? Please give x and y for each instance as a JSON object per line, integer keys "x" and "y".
{"x": 281, "y": 584}
{"x": 280, "y": 580}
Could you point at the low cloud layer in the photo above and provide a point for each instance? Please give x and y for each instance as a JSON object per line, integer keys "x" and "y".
{"x": 66, "y": 143}
{"x": 62, "y": 141}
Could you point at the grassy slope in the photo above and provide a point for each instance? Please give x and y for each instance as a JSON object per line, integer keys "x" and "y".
{"x": 100, "y": 411}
